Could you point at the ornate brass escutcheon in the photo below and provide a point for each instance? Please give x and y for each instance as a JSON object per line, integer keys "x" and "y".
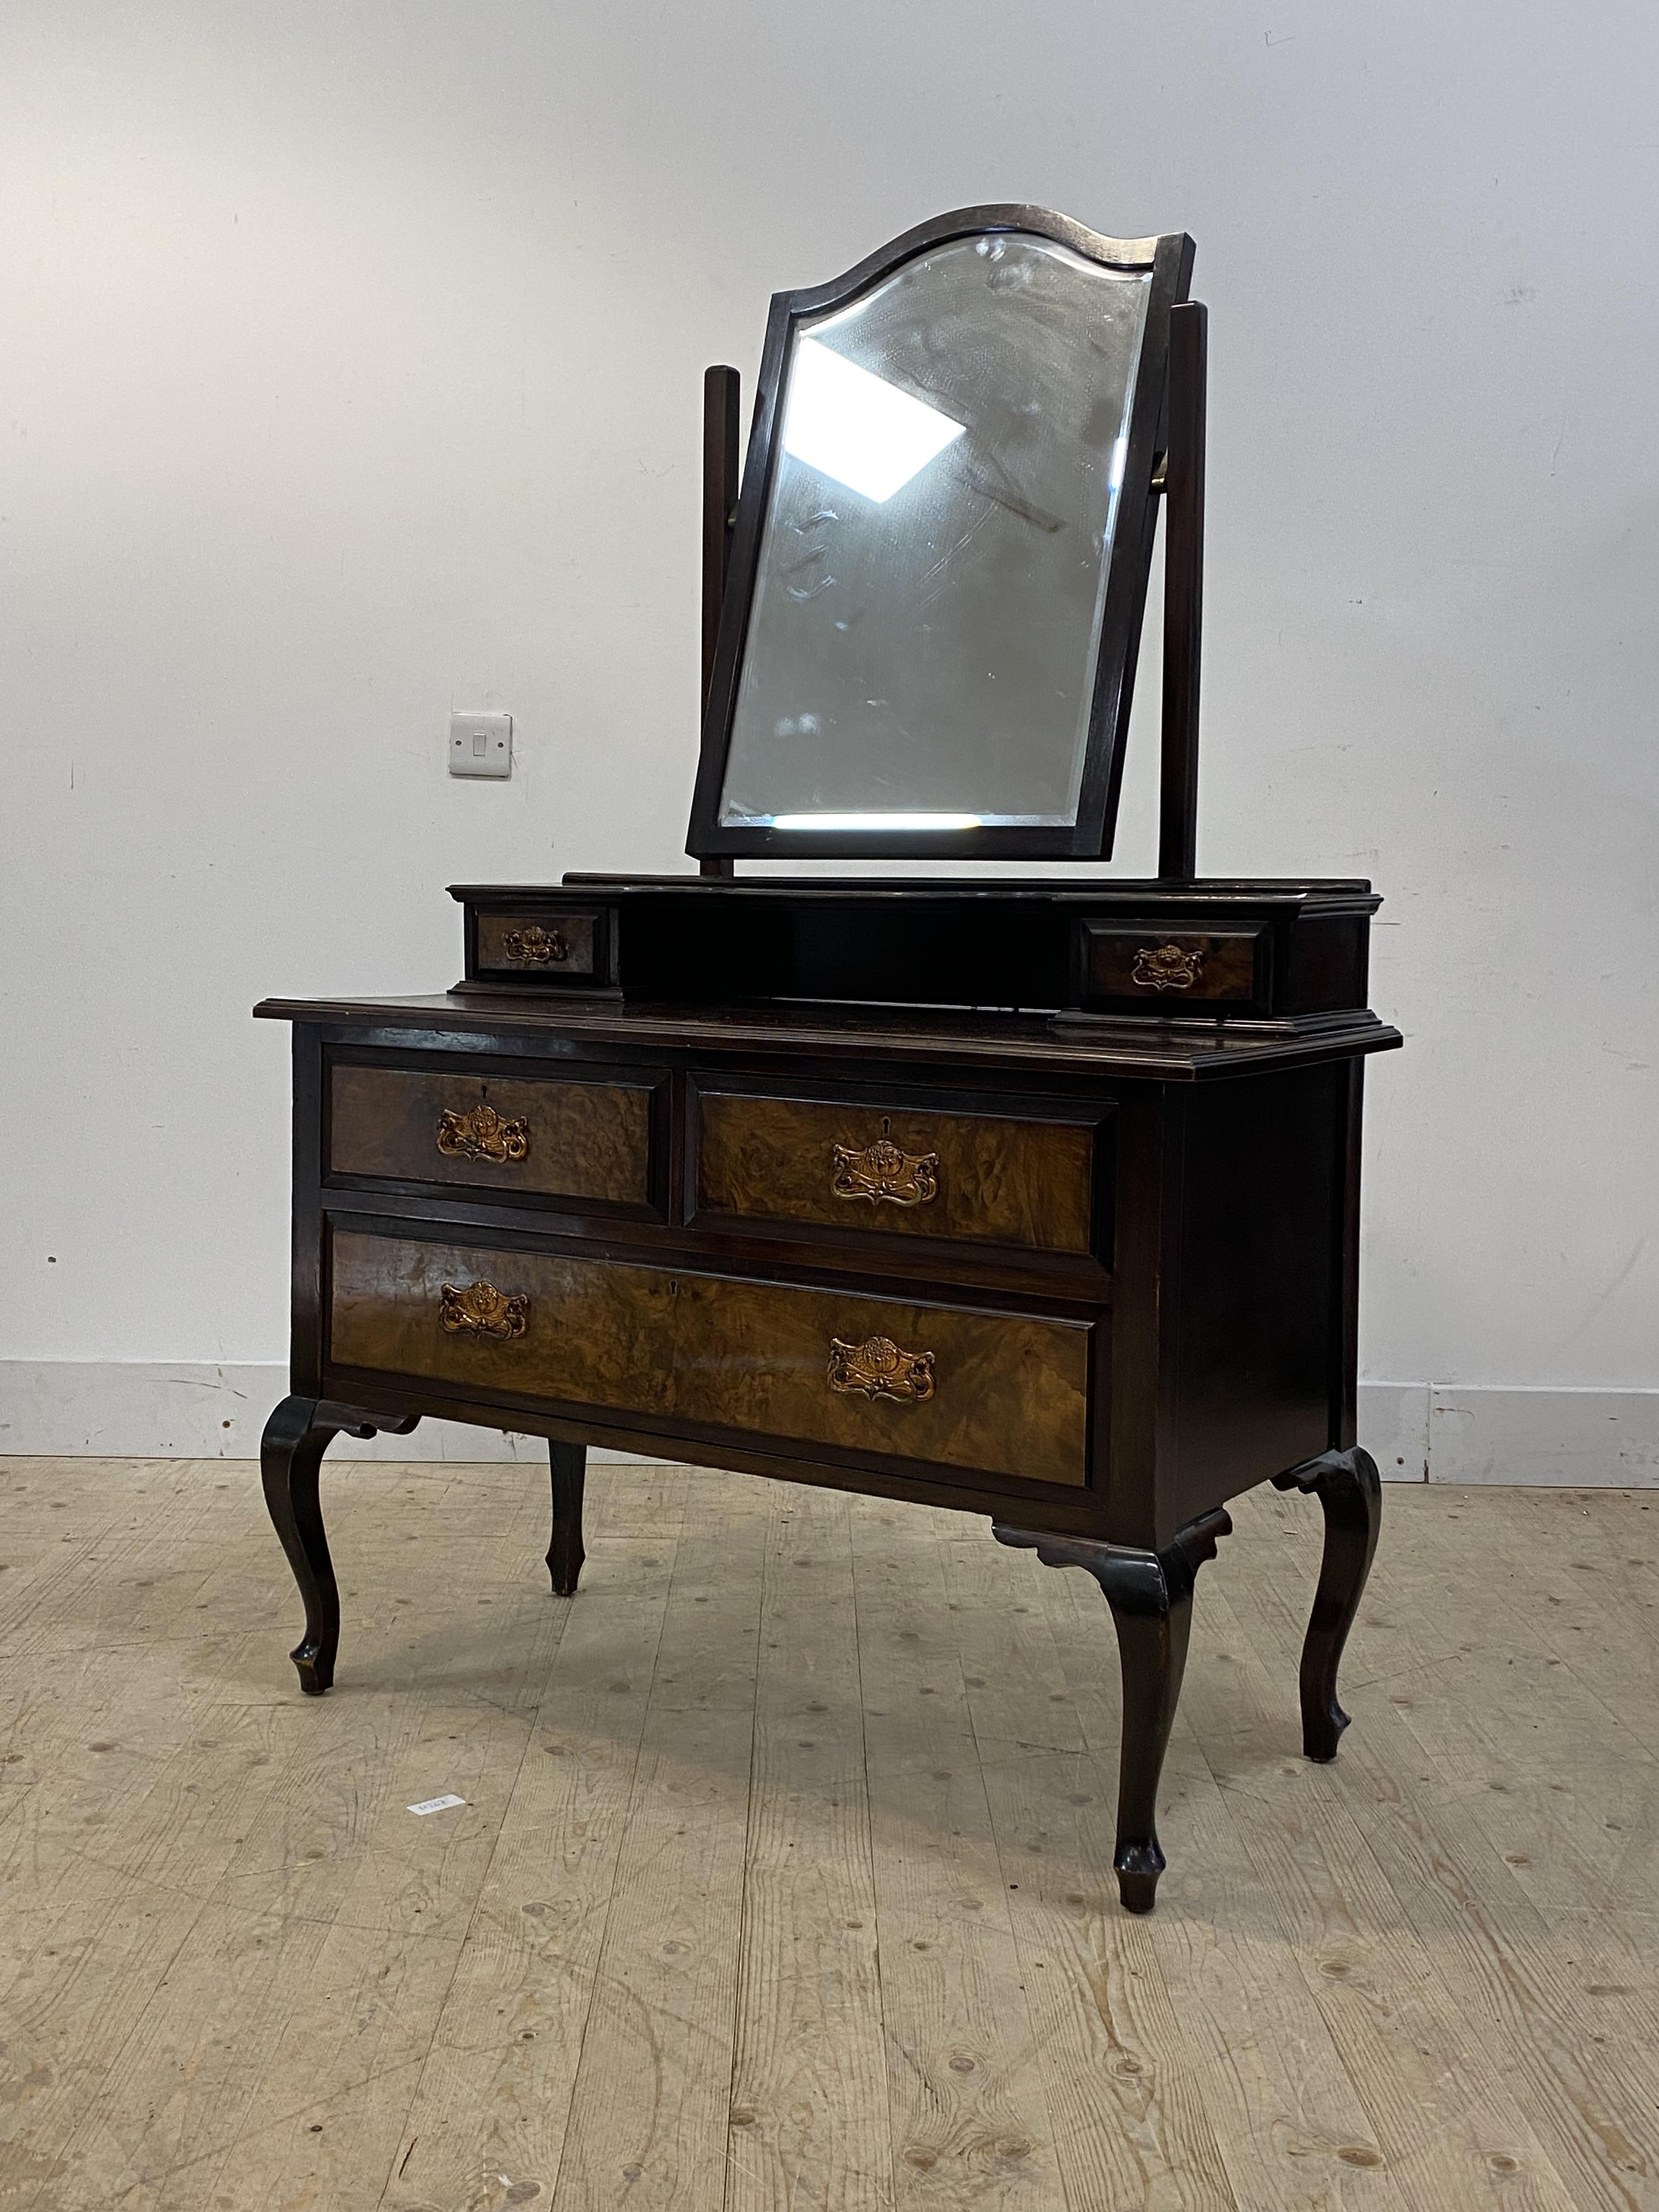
{"x": 884, "y": 1171}
{"x": 481, "y": 1135}
{"x": 1167, "y": 968}
{"x": 878, "y": 1368}
{"x": 480, "y": 1309}
{"x": 537, "y": 946}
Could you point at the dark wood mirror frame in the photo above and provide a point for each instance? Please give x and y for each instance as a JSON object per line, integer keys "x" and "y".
{"x": 1167, "y": 410}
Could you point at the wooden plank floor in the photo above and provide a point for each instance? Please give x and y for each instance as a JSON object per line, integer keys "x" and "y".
{"x": 783, "y": 1880}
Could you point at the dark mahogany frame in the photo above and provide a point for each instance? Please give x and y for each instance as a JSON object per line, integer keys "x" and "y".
{"x": 1169, "y": 259}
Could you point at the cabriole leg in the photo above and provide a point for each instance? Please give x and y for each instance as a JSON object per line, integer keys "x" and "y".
{"x": 1150, "y": 1595}
{"x": 1152, "y": 1645}
{"x": 291, "y": 1452}
{"x": 1349, "y": 1488}
{"x": 565, "y": 1554}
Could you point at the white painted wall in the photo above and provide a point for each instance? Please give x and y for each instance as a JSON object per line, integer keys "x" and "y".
{"x": 352, "y": 364}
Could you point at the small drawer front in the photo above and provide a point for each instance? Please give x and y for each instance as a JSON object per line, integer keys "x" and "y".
{"x": 502, "y": 1134}
{"x": 549, "y": 947}
{"x": 1146, "y": 965}
{"x": 969, "y": 1176}
{"x": 990, "y": 1393}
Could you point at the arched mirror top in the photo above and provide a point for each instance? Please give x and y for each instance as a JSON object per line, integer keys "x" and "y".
{"x": 927, "y": 640}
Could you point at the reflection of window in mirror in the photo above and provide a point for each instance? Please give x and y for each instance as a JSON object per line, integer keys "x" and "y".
{"x": 928, "y": 593}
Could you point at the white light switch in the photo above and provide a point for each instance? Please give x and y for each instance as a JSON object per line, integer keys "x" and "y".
{"x": 481, "y": 745}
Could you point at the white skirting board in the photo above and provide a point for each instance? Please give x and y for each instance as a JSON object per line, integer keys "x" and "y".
{"x": 1419, "y": 1431}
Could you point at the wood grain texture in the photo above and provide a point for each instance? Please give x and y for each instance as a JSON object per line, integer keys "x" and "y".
{"x": 1029, "y": 1183}
{"x": 585, "y": 1140}
{"x": 491, "y": 2107}
{"x": 1186, "y": 433}
{"x": 911, "y": 1040}
{"x": 501, "y": 936}
{"x": 808, "y": 2118}
{"x": 1219, "y": 1240}
{"x": 236, "y": 1972}
{"x": 1446, "y": 2121}
{"x": 1128, "y": 2108}
{"x": 1010, "y": 1394}
{"x": 649, "y": 2108}
{"x": 1566, "y": 1998}
{"x": 1229, "y": 964}
{"x": 970, "y": 2124}
{"x": 1249, "y": 2049}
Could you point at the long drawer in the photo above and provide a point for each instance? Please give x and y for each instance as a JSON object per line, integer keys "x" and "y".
{"x": 995, "y": 1393}
{"x": 546, "y": 1136}
{"x": 1030, "y": 1182}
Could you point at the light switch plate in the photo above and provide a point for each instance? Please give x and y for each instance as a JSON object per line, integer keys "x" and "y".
{"x": 481, "y": 745}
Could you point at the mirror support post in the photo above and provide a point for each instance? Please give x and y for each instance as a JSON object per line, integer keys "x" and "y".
{"x": 1183, "y": 589}
{"x": 721, "y": 390}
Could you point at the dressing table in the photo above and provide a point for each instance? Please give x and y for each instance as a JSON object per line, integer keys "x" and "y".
{"x": 1034, "y": 1198}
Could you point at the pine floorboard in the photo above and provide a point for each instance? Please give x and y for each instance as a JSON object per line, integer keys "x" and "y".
{"x": 783, "y": 1878}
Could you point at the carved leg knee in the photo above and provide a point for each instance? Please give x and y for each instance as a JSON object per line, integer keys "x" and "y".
{"x": 1350, "y": 1490}
{"x": 1150, "y": 1595}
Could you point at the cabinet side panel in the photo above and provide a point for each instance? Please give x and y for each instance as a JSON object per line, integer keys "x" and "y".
{"x": 306, "y": 1289}
{"x": 1141, "y": 1480}
{"x": 1325, "y": 965}
{"x": 1263, "y": 1233}
{"x": 1349, "y": 1104}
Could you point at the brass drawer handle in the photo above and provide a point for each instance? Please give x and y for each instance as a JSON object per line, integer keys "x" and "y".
{"x": 878, "y": 1368}
{"x": 480, "y": 1309}
{"x": 481, "y": 1135}
{"x": 537, "y": 945}
{"x": 884, "y": 1171}
{"x": 1166, "y": 968}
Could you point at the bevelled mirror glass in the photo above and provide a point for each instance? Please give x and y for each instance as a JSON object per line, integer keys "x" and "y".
{"x": 928, "y": 638}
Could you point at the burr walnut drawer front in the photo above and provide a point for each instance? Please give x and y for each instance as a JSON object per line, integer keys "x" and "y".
{"x": 992, "y": 1393}
{"x": 545, "y": 947}
{"x": 506, "y": 1134}
{"x": 987, "y": 1178}
{"x": 1151, "y": 966}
